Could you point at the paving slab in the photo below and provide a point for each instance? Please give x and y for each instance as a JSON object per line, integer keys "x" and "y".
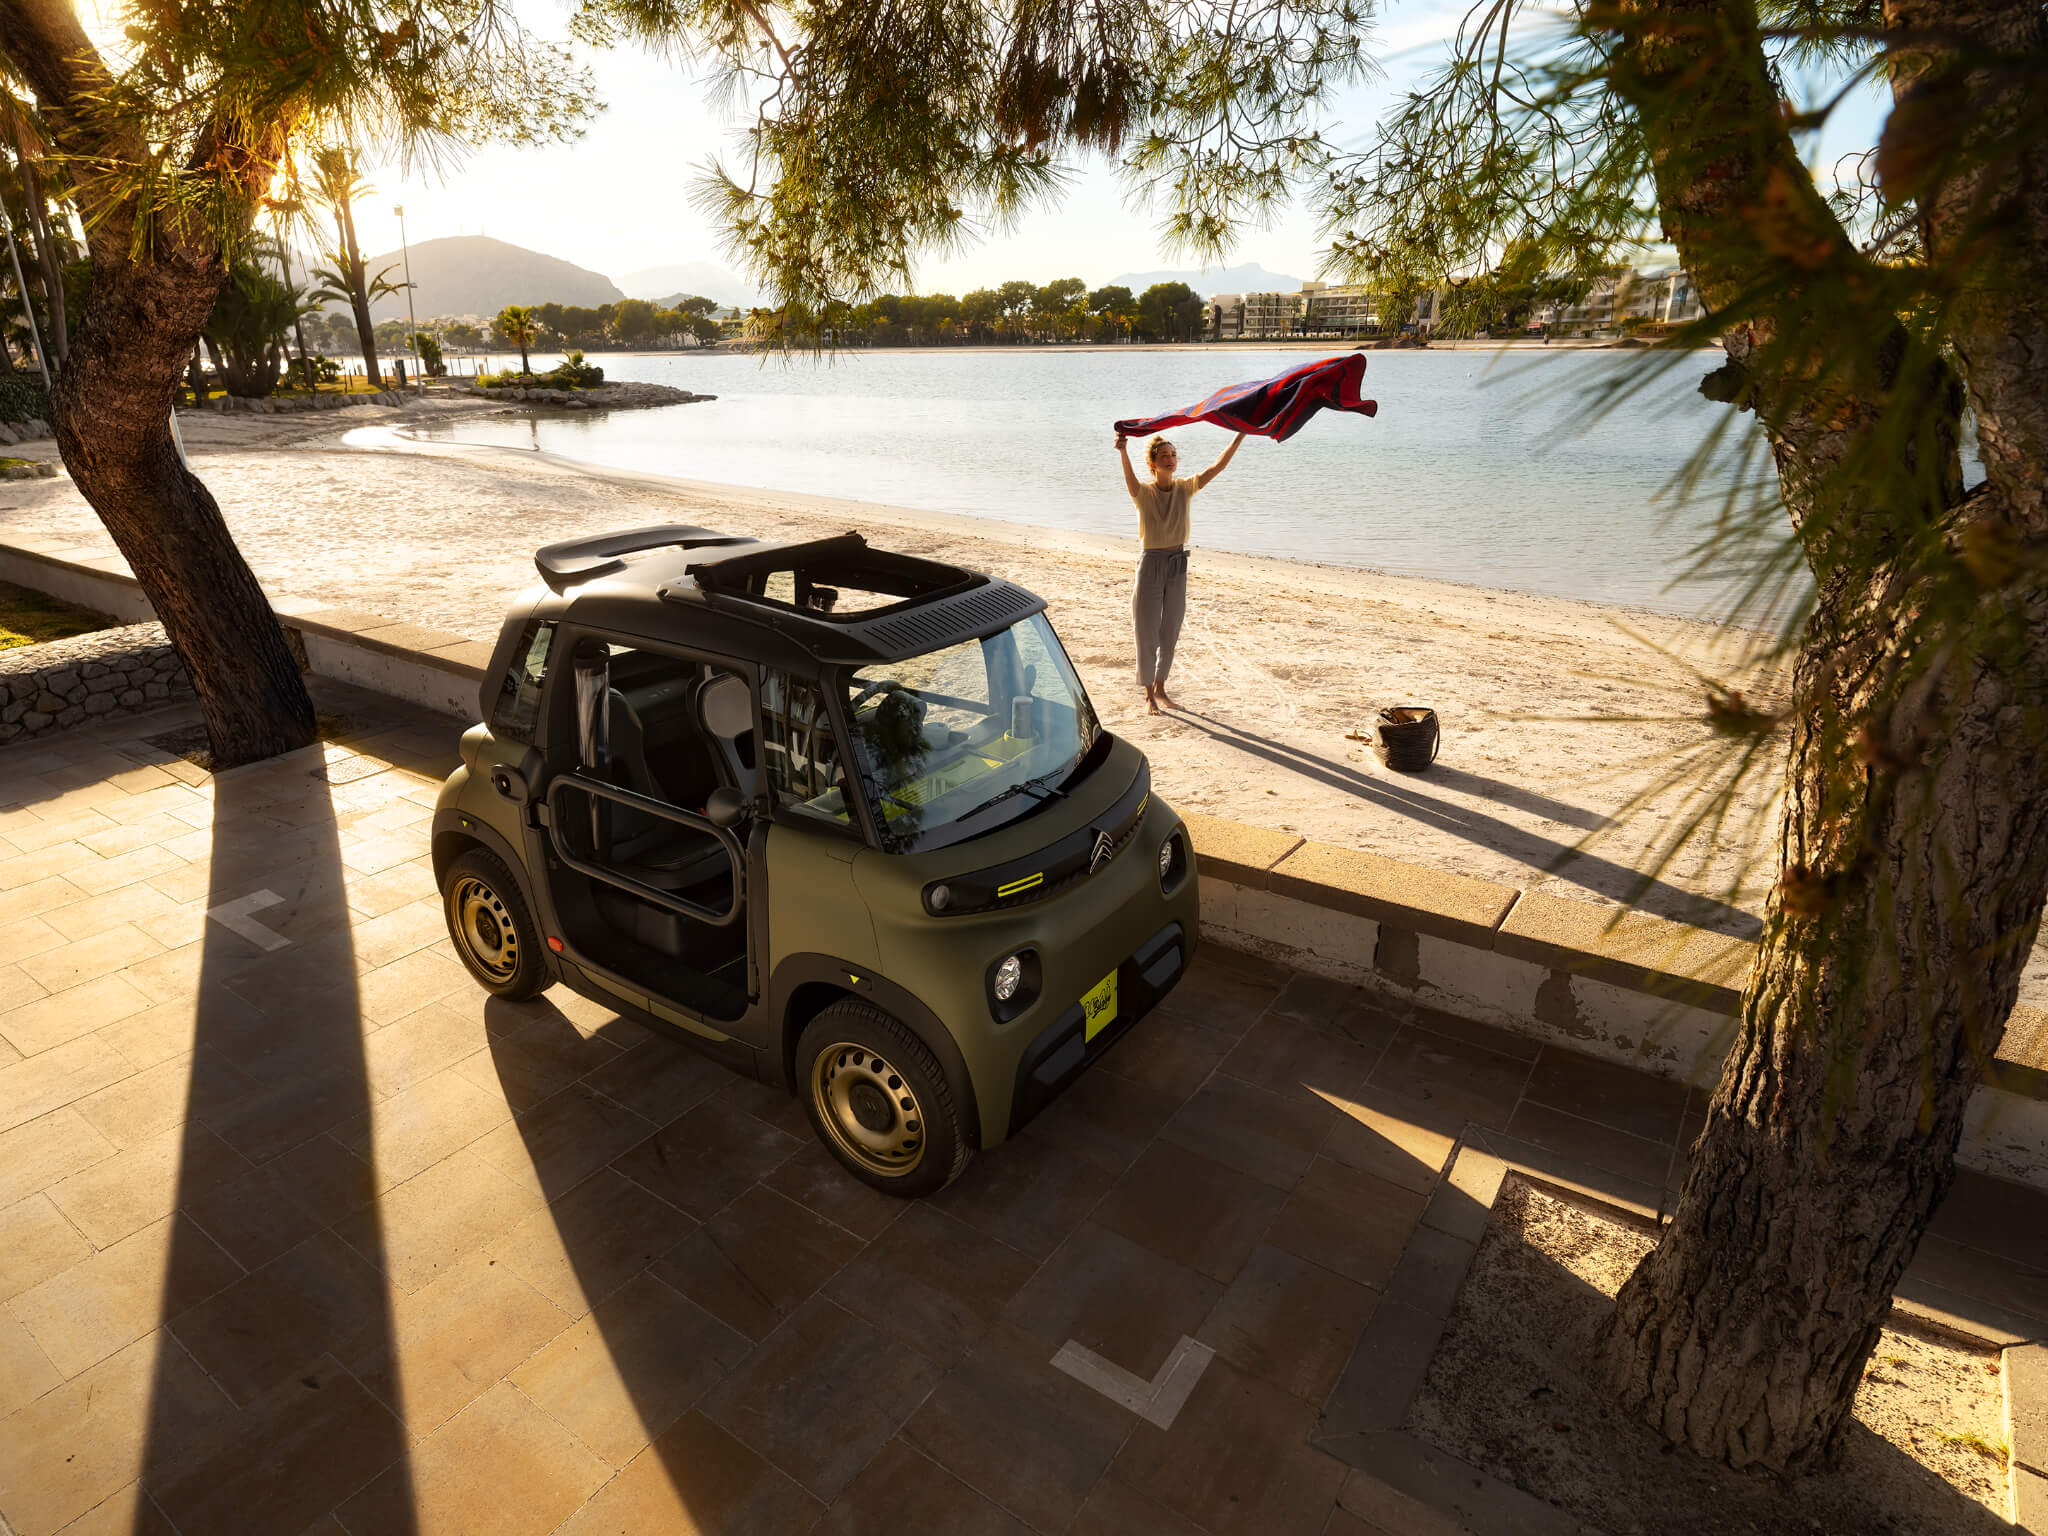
{"x": 318, "y": 1238}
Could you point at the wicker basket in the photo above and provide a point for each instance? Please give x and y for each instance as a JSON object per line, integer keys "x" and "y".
{"x": 1406, "y": 737}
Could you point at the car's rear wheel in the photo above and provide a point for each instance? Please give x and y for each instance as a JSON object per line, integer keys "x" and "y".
{"x": 487, "y": 918}
{"x": 879, "y": 1100}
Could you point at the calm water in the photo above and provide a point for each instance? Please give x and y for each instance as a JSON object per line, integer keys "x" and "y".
{"x": 1478, "y": 468}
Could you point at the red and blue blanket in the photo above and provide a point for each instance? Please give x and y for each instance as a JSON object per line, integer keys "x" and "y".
{"x": 1275, "y": 407}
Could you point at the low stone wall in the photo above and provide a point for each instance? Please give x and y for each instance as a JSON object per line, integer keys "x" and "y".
{"x": 24, "y": 431}
{"x": 1646, "y": 993}
{"x": 62, "y": 683}
{"x": 286, "y": 405}
{"x": 626, "y": 395}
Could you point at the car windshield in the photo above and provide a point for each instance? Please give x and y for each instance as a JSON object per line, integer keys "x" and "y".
{"x": 959, "y": 741}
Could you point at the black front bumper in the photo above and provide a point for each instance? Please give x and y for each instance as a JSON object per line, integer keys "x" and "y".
{"x": 1062, "y": 1052}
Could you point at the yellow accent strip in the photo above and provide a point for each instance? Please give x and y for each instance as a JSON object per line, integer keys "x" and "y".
{"x": 1020, "y": 885}
{"x": 1144, "y": 802}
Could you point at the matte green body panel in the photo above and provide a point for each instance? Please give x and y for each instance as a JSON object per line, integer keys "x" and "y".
{"x": 468, "y": 788}
{"x": 1081, "y": 932}
{"x": 812, "y": 904}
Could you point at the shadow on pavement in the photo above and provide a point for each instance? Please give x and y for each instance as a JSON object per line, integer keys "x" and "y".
{"x": 274, "y": 1301}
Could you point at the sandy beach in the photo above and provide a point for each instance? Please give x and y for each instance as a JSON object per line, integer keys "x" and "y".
{"x": 1557, "y": 715}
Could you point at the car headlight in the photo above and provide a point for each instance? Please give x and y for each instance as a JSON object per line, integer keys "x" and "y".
{"x": 1173, "y": 859}
{"x": 1009, "y": 976}
{"x": 939, "y": 897}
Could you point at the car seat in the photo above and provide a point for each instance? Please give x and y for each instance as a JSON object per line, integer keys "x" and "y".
{"x": 662, "y": 853}
{"x": 725, "y": 707}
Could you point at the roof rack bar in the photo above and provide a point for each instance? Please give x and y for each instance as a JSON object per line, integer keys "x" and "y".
{"x": 565, "y": 564}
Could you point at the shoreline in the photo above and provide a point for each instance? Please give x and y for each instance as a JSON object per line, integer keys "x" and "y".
{"x": 1332, "y": 346}
{"x": 1562, "y": 719}
{"x": 1125, "y": 546}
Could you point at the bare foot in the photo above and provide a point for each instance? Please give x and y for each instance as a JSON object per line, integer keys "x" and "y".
{"x": 1159, "y": 697}
{"x": 1151, "y": 703}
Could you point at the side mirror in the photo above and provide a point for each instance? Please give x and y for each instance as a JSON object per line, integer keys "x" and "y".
{"x": 726, "y": 808}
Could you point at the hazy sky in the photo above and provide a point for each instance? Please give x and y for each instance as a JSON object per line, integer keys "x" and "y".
{"x": 617, "y": 199}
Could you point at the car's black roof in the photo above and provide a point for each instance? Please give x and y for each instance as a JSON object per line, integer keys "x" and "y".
{"x": 696, "y": 585}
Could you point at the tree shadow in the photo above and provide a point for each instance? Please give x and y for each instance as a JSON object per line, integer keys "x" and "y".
{"x": 275, "y": 1308}
{"x": 1603, "y": 876}
{"x": 666, "y": 1352}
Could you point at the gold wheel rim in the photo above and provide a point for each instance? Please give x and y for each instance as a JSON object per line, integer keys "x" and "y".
{"x": 868, "y": 1108}
{"x": 483, "y": 927}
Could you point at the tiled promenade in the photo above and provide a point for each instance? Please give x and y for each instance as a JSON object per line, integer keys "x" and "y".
{"x": 300, "y": 1233}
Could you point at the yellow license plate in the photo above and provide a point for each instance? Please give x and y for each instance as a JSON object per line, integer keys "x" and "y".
{"x": 1099, "y": 1006}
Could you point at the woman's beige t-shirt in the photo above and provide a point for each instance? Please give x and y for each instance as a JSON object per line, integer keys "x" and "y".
{"x": 1163, "y": 515}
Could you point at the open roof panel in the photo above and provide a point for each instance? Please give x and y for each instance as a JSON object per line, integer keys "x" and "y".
{"x": 838, "y": 580}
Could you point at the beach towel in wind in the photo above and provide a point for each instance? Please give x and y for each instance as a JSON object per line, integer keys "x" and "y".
{"x": 1274, "y": 407}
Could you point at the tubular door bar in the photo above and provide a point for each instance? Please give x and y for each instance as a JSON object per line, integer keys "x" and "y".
{"x": 666, "y": 812}
{"x": 565, "y": 564}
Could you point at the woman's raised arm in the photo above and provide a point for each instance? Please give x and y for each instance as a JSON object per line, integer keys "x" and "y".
{"x": 1202, "y": 480}
{"x": 1130, "y": 476}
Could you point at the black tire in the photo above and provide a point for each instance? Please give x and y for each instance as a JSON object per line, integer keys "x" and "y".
{"x": 871, "y": 1088}
{"x": 494, "y": 935}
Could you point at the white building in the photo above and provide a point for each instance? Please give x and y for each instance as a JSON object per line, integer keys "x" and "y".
{"x": 1655, "y": 296}
{"x": 1342, "y": 309}
{"x": 1253, "y": 316}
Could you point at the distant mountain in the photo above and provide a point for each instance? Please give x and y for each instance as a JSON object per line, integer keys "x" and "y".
{"x": 476, "y": 275}
{"x": 1246, "y": 277}
{"x": 701, "y": 278}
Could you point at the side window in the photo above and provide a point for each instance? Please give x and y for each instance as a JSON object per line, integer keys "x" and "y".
{"x": 517, "y": 714}
{"x": 799, "y": 753}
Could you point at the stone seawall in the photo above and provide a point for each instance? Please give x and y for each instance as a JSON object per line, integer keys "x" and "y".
{"x": 66, "y": 682}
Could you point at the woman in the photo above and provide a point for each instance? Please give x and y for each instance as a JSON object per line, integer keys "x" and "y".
{"x": 1160, "y": 600}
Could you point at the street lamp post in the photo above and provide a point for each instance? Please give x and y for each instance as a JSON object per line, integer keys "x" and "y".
{"x": 412, "y": 334}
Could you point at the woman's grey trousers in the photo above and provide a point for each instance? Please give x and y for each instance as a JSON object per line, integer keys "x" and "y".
{"x": 1158, "y": 604}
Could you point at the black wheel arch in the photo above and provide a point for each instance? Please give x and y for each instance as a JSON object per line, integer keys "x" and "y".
{"x": 805, "y": 985}
{"x": 455, "y": 834}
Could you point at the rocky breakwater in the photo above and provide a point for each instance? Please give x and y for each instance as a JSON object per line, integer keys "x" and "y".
{"x": 623, "y": 396}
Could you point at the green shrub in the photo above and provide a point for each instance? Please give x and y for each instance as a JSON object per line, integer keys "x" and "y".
{"x": 574, "y": 373}
{"x": 23, "y": 399}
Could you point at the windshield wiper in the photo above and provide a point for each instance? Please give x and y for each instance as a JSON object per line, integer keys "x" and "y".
{"x": 995, "y": 799}
{"x": 1036, "y": 786}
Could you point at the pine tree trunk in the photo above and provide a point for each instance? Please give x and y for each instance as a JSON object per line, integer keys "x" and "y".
{"x": 1914, "y": 848}
{"x": 1831, "y": 1139}
{"x": 111, "y": 410}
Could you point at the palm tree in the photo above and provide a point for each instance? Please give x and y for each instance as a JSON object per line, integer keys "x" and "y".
{"x": 35, "y": 188}
{"x": 247, "y": 331}
{"x": 336, "y": 184}
{"x": 517, "y": 324}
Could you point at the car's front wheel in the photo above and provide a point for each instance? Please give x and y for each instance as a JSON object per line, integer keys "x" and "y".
{"x": 494, "y": 935}
{"x": 879, "y": 1099}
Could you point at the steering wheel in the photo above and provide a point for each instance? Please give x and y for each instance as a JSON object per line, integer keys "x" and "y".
{"x": 879, "y": 685}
